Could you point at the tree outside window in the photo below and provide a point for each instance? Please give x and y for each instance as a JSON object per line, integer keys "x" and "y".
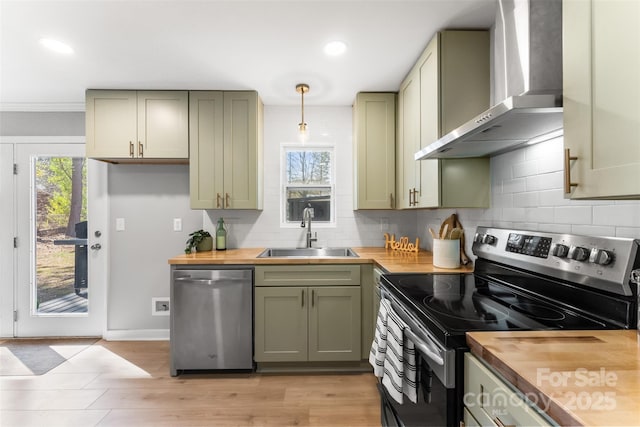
{"x": 308, "y": 176}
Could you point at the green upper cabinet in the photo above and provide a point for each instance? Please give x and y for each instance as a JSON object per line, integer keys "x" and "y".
{"x": 374, "y": 125}
{"x": 137, "y": 125}
{"x": 225, "y": 162}
{"x": 601, "y": 98}
{"x": 448, "y": 85}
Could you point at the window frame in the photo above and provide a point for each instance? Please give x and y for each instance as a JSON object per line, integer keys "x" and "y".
{"x": 301, "y": 146}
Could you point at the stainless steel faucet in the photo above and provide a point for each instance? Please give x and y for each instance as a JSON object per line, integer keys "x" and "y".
{"x": 307, "y": 214}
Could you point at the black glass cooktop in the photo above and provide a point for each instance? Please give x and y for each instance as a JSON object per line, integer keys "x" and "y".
{"x": 452, "y": 304}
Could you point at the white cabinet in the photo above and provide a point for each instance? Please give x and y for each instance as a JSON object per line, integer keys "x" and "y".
{"x": 225, "y": 161}
{"x": 127, "y": 125}
{"x": 601, "y": 65}
{"x": 491, "y": 402}
{"x": 448, "y": 85}
{"x": 374, "y": 125}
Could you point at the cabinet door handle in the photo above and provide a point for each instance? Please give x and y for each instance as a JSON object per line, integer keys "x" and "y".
{"x": 226, "y": 199}
{"x": 410, "y": 197}
{"x": 130, "y": 149}
{"x": 218, "y": 200}
{"x": 313, "y": 294}
{"x": 303, "y": 297}
{"x": 140, "y": 149}
{"x": 391, "y": 200}
{"x": 567, "y": 171}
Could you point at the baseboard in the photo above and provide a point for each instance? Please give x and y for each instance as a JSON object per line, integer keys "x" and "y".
{"x": 137, "y": 335}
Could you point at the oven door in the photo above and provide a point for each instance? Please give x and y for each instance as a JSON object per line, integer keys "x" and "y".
{"x": 437, "y": 402}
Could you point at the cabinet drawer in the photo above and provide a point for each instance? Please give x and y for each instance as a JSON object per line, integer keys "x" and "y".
{"x": 492, "y": 402}
{"x": 308, "y": 275}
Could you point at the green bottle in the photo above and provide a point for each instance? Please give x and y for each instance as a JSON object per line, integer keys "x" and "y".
{"x": 221, "y": 236}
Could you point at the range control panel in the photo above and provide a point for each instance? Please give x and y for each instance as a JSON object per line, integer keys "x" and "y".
{"x": 528, "y": 245}
{"x": 599, "y": 262}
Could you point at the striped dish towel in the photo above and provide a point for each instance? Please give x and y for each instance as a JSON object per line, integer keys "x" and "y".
{"x": 400, "y": 362}
{"x": 379, "y": 344}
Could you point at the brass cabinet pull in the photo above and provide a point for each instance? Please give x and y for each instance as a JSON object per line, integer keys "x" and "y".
{"x": 218, "y": 200}
{"x": 130, "y": 149}
{"x": 226, "y": 199}
{"x": 303, "y": 297}
{"x": 413, "y": 197}
{"x": 140, "y": 149}
{"x": 567, "y": 171}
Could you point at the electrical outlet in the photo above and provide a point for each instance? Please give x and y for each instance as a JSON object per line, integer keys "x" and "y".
{"x": 177, "y": 224}
{"x": 160, "y": 306}
{"x": 120, "y": 226}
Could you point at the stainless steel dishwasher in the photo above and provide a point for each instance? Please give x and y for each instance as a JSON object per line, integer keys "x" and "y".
{"x": 211, "y": 319}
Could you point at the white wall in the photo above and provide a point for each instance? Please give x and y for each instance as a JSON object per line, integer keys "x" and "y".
{"x": 147, "y": 197}
{"x": 526, "y": 193}
{"x": 262, "y": 229}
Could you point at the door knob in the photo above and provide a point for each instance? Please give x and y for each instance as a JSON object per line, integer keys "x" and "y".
{"x": 96, "y": 246}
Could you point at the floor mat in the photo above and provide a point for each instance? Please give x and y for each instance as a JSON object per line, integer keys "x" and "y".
{"x": 38, "y": 356}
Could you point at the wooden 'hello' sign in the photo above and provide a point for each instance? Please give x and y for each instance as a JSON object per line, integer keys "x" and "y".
{"x": 401, "y": 245}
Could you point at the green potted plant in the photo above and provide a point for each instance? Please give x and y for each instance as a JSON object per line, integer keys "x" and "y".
{"x": 200, "y": 240}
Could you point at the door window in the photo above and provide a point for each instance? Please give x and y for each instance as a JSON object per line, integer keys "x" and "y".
{"x": 59, "y": 220}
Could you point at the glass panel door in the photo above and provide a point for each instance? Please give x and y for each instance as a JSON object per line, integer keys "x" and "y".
{"x": 57, "y": 291}
{"x": 60, "y": 200}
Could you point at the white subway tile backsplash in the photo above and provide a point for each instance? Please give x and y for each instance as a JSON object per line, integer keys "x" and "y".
{"x": 539, "y": 215}
{"x": 545, "y": 151}
{"x": 540, "y": 202}
{"x": 573, "y": 215}
{"x": 593, "y": 230}
{"x": 555, "y": 228}
{"x": 514, "y": 214}
{"x": 547, "y": 181}
{"x": 524, "y": 200}
{"x": 553, "y": 197}
{"x": 628, "y": 232}
{"x": 514, "y": 185}
{"x": 618, "y": 214}
{"x": 525, "y": 169}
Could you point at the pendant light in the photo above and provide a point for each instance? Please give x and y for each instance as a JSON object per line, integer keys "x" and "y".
{"x": 302, "y": 88}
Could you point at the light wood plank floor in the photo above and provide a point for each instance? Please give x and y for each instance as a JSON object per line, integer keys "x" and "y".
{"x": 127, "y": 383}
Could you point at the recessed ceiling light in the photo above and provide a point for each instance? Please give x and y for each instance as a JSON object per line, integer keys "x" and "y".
{"x": 335, "y": 48}
{"x": 56, "y": 46}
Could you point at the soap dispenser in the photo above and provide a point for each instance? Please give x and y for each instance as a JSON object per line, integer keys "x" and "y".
{"x": 221, "y": 236}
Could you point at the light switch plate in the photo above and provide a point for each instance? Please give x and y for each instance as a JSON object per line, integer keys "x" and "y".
{"x": 120, "y": 226}
{"x": 177, "y": 224}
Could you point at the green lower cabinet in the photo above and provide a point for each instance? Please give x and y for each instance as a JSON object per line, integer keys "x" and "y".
{"x": 334, "y": 323}
{"x": 298, "y": 324}
{"x": 281, "y": 324}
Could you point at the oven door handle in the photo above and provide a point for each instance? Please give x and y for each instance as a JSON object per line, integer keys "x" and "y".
{"x": 423, "y": 347}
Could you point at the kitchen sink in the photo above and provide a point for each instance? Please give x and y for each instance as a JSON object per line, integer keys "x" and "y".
{"x": 307, "y": 253}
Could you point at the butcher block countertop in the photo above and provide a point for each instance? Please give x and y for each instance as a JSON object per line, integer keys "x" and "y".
{"x": 589, "y": 378}
{"x": 391, "y": 261}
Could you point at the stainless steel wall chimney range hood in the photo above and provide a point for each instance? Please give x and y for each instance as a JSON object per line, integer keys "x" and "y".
{"x": 527, "y": 71}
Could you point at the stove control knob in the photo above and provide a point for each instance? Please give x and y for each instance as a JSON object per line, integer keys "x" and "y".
{"x": 601, "y": 256}
{"x": 488, "y": 239}
{"x": 578, "y": 253}
{"x": 560, "y": 250}
{"x": 478, "y": 238}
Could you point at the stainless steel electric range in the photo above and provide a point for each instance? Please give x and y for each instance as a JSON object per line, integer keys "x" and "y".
{"x": 522, "y": 280}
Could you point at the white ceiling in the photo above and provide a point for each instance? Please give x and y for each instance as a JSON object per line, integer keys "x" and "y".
{"x": 264, "y": 45}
